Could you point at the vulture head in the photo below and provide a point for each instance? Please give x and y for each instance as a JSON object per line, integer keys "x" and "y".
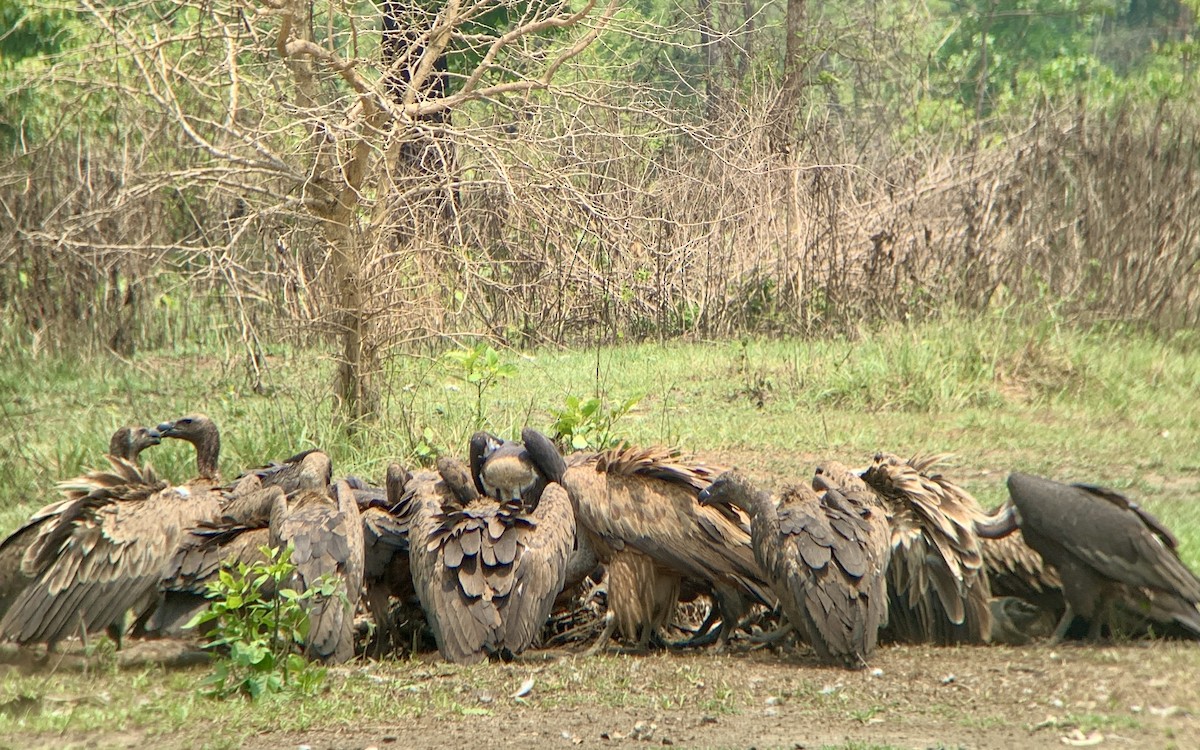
{"x": 316, "y": 472}
{"x": 202, "y": 433}
{"x": 511, "y": 471}
{"x": 128, "y": 442}
{"x": 733, "y": 489}
{"x": 832, "y": 475}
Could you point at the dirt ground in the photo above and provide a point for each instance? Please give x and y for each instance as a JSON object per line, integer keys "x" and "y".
{"x": 1136, "y": 695}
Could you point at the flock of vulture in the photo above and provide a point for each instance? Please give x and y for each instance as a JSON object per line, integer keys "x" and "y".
{"x": 488, "y": 550}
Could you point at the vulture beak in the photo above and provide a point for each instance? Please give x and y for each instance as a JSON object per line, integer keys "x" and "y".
{"x": 164, "y": 429}
{"x": 821, "y": 483}
{"x": 154, "y": 435}
{"x": 705, "y": 495}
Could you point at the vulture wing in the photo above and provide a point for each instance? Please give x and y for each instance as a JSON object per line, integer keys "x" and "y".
{"x": 936, "y": 579}
{"x": 326, "y": 533}
{"x": 103, "y": 556}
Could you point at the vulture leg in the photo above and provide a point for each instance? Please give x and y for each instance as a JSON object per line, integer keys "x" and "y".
{"x": 702, "y": 632}
{"x": 1101, "y": 617}
{"x": 775, "y": 636}
{"x": 1063, "y": 625}
{"x": 610, "y": 627}
{"x": 708, "y": 633}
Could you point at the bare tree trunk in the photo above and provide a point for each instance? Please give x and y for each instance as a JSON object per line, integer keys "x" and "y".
{"x": 711, "y": 87}
{"x": 783, "y": 120}
{"x": 332, "y": 196}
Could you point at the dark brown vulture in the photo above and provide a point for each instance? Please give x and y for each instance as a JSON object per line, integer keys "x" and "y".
{"x": 486, "y": 571}
{"x": 825, "y": 557}
{"x": 511, "y": 471}
{"x": 104, "y": 555}
{"x": 126, "y": 443}
{"x": 325, "y": 531}
{"x": 936, "y": 580}
{"x": 639, "y": 511}
{"x": 1107, "y": 550}
{"x": 386, "y": 573}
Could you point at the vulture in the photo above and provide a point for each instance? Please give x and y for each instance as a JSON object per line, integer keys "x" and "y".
{"x": 1107, "y": 550}
{"x": 104, "y": 554}
{"x": 204, "y": 436}
{"x": 639, "y": 511}
{"x": 127, "y": 443}
{"x": 486, "y": 567}
{"x": 825, "y": 557}
{"x": 236, "y": 536}
{"x": 324, "y": 529}
{"x": 386, "y": 573}
{"x": 512, "y": 471}
{"x": 522, "y": 470}
{"x": 937, "y": 584}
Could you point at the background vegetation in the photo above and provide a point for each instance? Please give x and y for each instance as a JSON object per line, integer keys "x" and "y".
{"x": 769, "y": 231}
{"x": 364, "y": 178}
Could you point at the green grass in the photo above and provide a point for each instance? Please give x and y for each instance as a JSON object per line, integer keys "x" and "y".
{"x": 1105, "y": 405}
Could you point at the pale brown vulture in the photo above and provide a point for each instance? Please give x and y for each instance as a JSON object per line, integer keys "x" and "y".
{"x": 639, "y": 511}
{"x": 1107, "y": 550}
{"x": 104, "y": 555}
{"x": 325, "y": 531}
{"x": 126, "y": 443}
{"x": 825, "y": 557}
{"x": 936, "y": 580}
{"x": 204, "y": 436}
{"x": 486, "y": 570}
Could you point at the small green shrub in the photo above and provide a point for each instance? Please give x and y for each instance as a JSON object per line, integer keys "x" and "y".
{"x": 480, "y": 367}
{"x": 588, "y": 423}
{"x": 260, "y": 637}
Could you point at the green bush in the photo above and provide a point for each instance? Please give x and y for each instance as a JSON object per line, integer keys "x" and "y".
{"x": 260, "y": 636}
{"x": 588, "y": 423}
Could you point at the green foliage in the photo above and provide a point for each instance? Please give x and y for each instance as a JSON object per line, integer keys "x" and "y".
{"x": 479, "y": 367}
{"x": 259, "y": 635}
{"x": 588, "y": 423}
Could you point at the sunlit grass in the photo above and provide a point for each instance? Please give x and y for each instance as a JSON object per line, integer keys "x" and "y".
{"x": 1109, "y": 406}
{"x": 1000, "y": 393}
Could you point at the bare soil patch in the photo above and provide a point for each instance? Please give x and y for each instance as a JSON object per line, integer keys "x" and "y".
{"x": 1126, "y": 695}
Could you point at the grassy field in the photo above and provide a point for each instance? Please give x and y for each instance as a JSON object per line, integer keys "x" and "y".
{"x": 1106, "y": 405}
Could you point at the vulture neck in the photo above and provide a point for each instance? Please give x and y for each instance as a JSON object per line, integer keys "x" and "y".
{"x": 1000, "y": 525}
{"x": 760, "y": 507}
{"x": 208, "y": 454}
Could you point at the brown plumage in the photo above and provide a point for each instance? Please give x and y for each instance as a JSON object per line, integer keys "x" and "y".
{"x": 825, "y": 557}
{"x": 204, "y": 436}
{"x": 236, "y": 537}
{"x": 1107, "y": 550}
{"x": 325, "y": 531}
{"x": 126, "y": 443}
{"x": 104, "y": 555}
{"x": 486, "y": 571}
{"x": 936, "y": 580}
{"x": 386, "y": 573}
{"x": 642, "y": 503}
{"x": 1014, "y": 569}
{"x": 300, "y": 470}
